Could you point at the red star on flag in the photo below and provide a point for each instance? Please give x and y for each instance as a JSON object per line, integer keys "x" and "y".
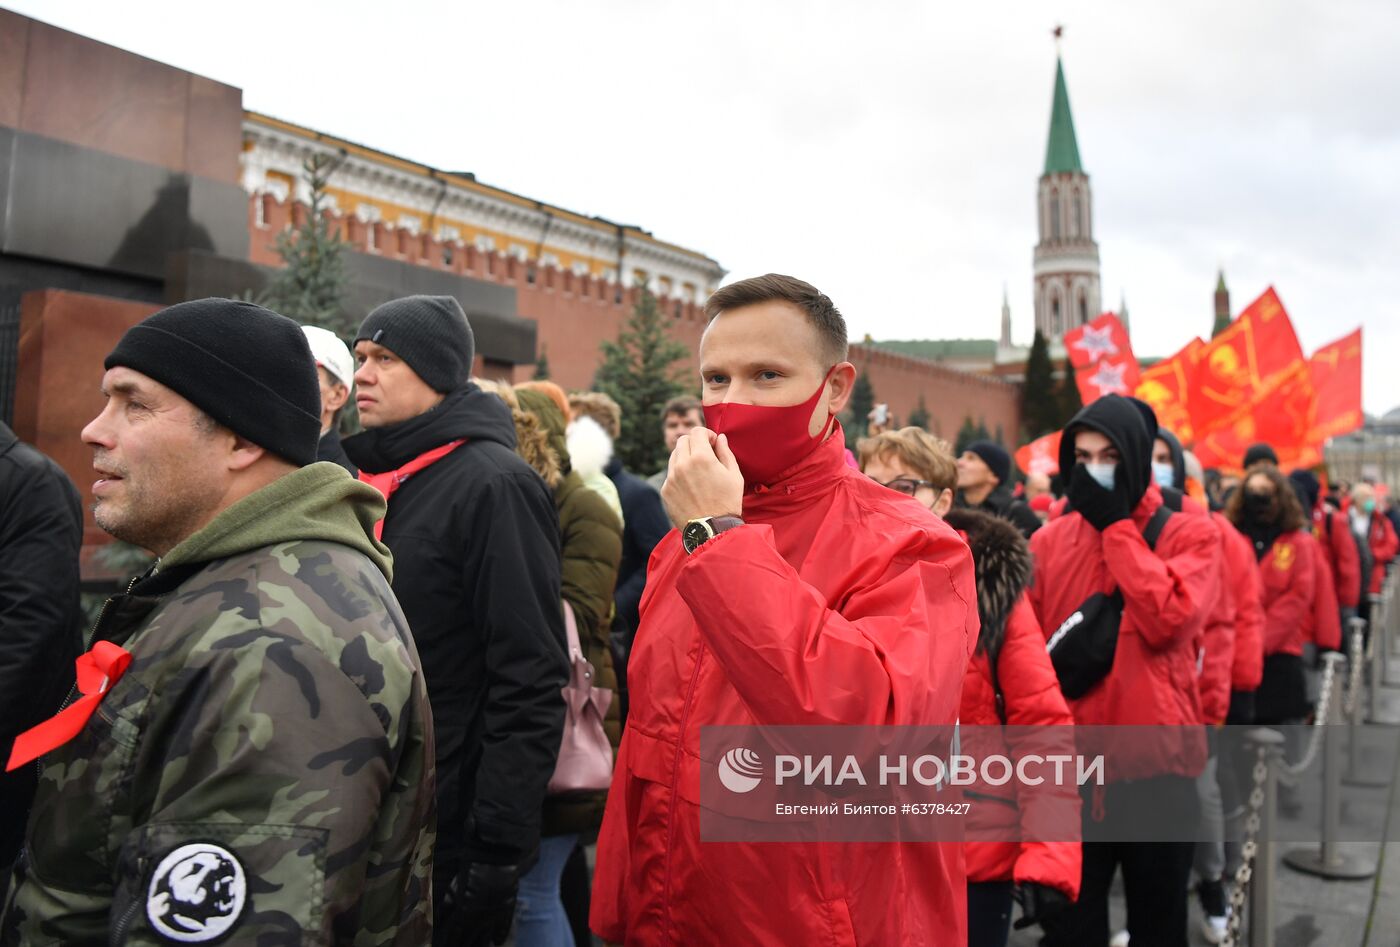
{"x": 1097, "y": 342}
{"x": 1108, "y": 379}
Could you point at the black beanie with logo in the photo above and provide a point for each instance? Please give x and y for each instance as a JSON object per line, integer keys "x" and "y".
{"x": 246, "y": 367}
{"x": 431, "y": 335}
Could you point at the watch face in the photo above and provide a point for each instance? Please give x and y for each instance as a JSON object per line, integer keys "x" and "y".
{"x": 694, "y": 534}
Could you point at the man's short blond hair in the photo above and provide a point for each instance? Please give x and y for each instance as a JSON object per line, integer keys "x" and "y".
{"x": 928, "y": 456}
{"x": 599, "y": 407}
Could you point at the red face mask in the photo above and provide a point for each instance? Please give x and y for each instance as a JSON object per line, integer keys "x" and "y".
{"x": 767, "y": 440}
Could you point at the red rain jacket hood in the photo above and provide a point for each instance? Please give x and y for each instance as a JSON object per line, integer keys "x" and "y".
{"x": 839, "y": 602}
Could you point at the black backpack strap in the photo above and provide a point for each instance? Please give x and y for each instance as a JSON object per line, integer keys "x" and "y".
{"x": 999, "y": 698}
{"x": 1153, "y": 530}
{"x": 1172, "y": 499}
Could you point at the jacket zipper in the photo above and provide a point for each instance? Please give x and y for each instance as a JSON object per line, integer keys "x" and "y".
{"x": 676, "y": 778}
{"x": 92, "y": 636}
{"x": 119, "y": 930}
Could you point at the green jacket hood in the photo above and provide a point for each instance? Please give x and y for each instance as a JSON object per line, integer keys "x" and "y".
{"x": 543, "y": 407}
{"x": 317, "y": 502}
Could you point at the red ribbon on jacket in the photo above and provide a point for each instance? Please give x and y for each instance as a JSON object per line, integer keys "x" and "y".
{"x": 389, "y": 481}
{"x": 98, "y": 670}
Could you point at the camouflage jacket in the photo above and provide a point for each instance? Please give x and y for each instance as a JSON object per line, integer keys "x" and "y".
{"x": 263, "y": 771}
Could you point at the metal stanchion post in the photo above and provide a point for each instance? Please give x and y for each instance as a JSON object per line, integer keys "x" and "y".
{"x": 1356, "y": 659}
{"x": 1326, "y": 860}
{"x": 1383, "y": 618}
{"x": 1261, "y": 882}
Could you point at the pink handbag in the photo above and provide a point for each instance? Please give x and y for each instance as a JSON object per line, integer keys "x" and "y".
{"x": 585, "y": 755}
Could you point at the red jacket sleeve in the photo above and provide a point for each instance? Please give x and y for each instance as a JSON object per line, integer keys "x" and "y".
{"x": 1247, "y": 663}
{"x": 1326, "y": 619}
{"x": 1384, "y": 543}
{"x": 1033, "y": 700}
{"x": 894, "y": 653}
{"x": 1289, "y": 610}
{"x": 1218, "y": 644}
{"x": 1346, "y": 560}
{"x": 1166, "y": 596}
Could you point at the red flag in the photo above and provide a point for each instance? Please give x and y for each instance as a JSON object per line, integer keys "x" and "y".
{"x": 1282, "y": 417}
{"x": 1104, "y": 338}
{"x": 1336, "y": 377}
{"x": 1242, "y": 364}
{"x": 1041, "y": 455}
{"x": 1166, "y": 386}
{"x": 1108, "y": 376}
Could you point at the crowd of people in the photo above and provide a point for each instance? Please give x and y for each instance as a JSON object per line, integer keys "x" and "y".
{"x": 443, "y": 681}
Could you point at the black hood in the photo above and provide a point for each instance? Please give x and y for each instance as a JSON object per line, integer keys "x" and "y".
{"x": 1121, "y": 421}
{"x": 1002, "y": 564}
{"x": 1308, "y": 488}
{"x": 1178, "y": 457}
{"x": 467, "y": 413}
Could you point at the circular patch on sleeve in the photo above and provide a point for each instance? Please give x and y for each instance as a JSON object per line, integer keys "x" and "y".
{"x": 197, "y": 894}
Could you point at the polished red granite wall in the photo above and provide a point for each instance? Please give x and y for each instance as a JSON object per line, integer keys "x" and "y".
{"x": 65, "y": 86}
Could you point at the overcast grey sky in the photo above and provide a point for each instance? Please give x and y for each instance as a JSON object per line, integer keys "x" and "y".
{"x": 886, "y": 151}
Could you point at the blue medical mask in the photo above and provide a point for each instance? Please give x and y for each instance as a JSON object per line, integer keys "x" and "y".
{"x": 1103, "y": 474}
{"x": 1164, "y": 474}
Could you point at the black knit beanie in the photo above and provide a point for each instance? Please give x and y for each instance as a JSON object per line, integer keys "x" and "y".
{"x": 246, "y": 367}
{"x": 995, "y": 457}
{"x": 431, "y": 335}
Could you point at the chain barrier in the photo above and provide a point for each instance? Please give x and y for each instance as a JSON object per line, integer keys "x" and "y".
{"x": 1288, "y": 774}
{"x": 1249, "y": 848}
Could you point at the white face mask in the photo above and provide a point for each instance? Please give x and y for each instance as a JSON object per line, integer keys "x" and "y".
{"x": 1164, "y": 474}
{"x": 1103, "y": 474}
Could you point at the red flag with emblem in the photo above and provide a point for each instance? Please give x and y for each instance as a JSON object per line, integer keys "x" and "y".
{"x": 1166, "y": 386}
{"x": 1283, "y": 417}
{"x": 1239, "y": 367}
{"x": 1041, "y": 455}
{"x": 1336, "y": 377}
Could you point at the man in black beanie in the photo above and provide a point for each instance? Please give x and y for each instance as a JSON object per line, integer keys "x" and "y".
{"x": 984, "y": 483}
{"x": 259, "y": 768}
{"x": 475, "y": 539}
{"x": 1260, "y": 454}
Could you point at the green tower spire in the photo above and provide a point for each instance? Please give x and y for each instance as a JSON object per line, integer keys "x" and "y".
{"x": 1062, "y": 150}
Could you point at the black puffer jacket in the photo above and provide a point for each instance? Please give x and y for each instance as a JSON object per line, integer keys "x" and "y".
{"x": 1001, "y": 503}
{"x": 41, "y": 532}
{"x": 475, "y": 539}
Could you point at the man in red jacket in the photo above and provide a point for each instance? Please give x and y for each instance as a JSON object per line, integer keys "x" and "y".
{"x": 1167, "y": 593}
{"x": 1338, "y": 552}
{"x": 794, "y": 591}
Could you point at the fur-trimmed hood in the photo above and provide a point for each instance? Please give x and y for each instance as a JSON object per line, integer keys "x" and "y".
{"x": 1002, "y": 563}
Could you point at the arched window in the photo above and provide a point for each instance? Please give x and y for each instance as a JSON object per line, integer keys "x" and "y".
{"x": 1055, "y": 214}
{"x": 1055, "y": 329}
{"x": 1076, "y": 228}
{"x": 1083, "y": 309}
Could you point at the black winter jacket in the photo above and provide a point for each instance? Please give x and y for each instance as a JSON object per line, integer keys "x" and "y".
{"x": 1001, "y": 503}
{"x": 475, "y": 539}
{"x": 644, "y": 524}
{"x": 329, "y": 448}
{"x": 41, "y": 533}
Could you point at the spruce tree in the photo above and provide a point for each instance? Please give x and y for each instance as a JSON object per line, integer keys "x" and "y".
{"x": 1040, "y": 409}
{"x": 919, "y": 416}
{"x": 311, "y": 287}
{"x": 966, "y": 435}
{"x": 542, "y": 365}
{"x": 1068, "y": 397}
{"x": 857, "y": 419}
{"x": 639, "y": 372}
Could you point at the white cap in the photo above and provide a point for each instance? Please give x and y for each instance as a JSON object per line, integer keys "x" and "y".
{"x": 331, "y": 354}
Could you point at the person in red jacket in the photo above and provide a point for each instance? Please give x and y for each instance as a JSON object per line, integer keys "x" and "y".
{"x": 1371, "y": 526}
{"x": 1338, "y": 545}
{"x": 1266, "y": 510}
{"x": 1167, "y": 592}
{"x": 795, "y": 591}
{"x": 1009, "y": 682}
